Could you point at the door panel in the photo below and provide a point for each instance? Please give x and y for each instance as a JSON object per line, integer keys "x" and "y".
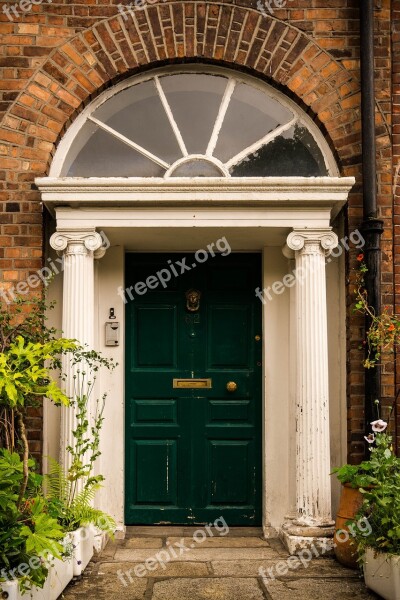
{"x": 228, "y": 345}
{"x": 194, "y": 454}
{"x": 229, "y": 464}
{"x": 163, "y": 352}
{"x": 158, "y": 457}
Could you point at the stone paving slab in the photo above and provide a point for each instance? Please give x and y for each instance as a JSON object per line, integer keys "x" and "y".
{"x": 174, "y": 569}
{"x": 154, "y": 531}
{"x": 210, "y": 589}
{"x": 277, "y": 545}
{"x": 142, "y": 542}
{"x": 317, "y": 568}
{"x": 197, "y": 553}
{"x": 309, "y": 589}
{"x": 108, "y": 587}
{"x": 238, "y": 532}
{"x": 222, "y": 542}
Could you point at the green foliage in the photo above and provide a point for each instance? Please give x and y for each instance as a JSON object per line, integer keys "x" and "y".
{"x": 71, "y": 494}
{"x": 74, "y": 508}
{"x": 356, "y": 475}
{"x": 23, "y": 374}
{"x": 32, "y": 524}
{"x": 45, "y": 532}
{"x": 26, "y": 317}
{"x": 381, "y": 505}
{"x": 378, "y": 479}
{"x": 383, "y": 333}
{"x": 26, "y": 531}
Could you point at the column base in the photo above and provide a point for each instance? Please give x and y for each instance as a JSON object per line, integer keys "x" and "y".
{"x": 317, "y": 540}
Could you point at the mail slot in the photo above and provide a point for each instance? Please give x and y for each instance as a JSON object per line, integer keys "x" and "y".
{"x": 192, "y": 383}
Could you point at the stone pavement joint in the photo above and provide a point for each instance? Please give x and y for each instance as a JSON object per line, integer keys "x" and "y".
{"x": 220, "y": 568}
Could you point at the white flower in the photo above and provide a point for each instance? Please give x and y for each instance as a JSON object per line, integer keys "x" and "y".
{"x": 370, "y": 438}
{"x": 379, "y": 425}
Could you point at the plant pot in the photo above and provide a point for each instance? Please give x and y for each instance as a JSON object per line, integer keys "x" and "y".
{"x": 12, "y": 589}
{"x": 345, "y": 549}
{"x": 61, "y": 573}
{"x": 382, "y": 574}
{"x": 100, "y": 538}
{"x": 83, "y": 542}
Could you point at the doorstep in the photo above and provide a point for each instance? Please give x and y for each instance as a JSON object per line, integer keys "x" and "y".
{"x": 220, "y": 568}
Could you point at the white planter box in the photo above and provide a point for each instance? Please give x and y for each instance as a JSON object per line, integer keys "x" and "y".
{"x": 61, "y": 571}
{"x": 83, "y": 543}
{"x": 60, "y": 574}
{"x": 382, "y": 574}
{"x": 12, "y": 589}
{"x": 100, "y": 538}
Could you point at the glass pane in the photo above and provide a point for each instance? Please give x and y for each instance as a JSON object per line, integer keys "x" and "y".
{"x": 103, "y": 155}
{"x": 250, "y": 116}
{"x": 139, "y": 115}
{"x": 294, "y": 153}
{"x": 197, "y": 168}
{"x": 194, "y": 101}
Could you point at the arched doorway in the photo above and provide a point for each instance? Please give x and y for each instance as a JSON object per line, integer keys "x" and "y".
{"x": 173, "y": 160}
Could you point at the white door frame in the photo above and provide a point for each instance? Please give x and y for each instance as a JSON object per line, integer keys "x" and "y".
{"x": 260, "y": 207}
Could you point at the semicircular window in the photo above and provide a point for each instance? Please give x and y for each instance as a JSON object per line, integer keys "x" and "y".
{"x": 195, "y": 125}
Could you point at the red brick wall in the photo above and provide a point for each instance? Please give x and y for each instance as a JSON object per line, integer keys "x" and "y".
{"x": 396, "y": 171}
{"x": 59, "y": 56}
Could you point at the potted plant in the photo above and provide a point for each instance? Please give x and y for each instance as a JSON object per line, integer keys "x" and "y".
{"x": 379, "y": 549}
{"x": 71, "y": 493}
{"x": 38, "y": 549}
{"x": 382, "y": 335}
{"x": 30, "y": 539}
{"x": 29, "y": 536}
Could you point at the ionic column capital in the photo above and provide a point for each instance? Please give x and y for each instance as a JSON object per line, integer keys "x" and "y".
{"x": 78, "y": 241}
{"x": 310, "y": 241}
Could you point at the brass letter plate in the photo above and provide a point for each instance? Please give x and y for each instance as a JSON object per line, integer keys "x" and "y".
{"x": 192, "y": 383}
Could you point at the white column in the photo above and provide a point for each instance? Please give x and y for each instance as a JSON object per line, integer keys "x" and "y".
{"x": 79, "y": 248}
{"x": 313, "y": 485}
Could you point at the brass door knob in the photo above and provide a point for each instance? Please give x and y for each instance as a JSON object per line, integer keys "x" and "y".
{"x": 231, "y": 386}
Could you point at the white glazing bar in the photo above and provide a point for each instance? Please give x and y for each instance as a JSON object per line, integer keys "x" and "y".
{"x": 129, "y": 142}
{"x": 170, "y": 116}
{"x": 264, "y": 140}
{"x": 221, "y": 116}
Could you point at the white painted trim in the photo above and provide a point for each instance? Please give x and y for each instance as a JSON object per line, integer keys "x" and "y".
{"x": 264, "y": 140}
{"x": 129, "y": 142}
{"x": 301, "y": 186}
{"x": 192, "y": 157}
{"x": 73, "y": 130}
{"x": 230, "y": 87}
{"x": 280, "y": 194}
{"x": 170, "y": 116}
{"x": 189, "y": 218}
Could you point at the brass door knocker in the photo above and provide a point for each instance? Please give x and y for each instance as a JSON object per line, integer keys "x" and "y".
{"x": 193, "y": 300}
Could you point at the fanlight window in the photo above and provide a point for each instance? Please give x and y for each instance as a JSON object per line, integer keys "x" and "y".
{"x": 195, "y": 125}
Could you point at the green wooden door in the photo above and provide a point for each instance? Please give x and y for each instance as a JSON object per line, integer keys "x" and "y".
{"x": 193, "y": 454}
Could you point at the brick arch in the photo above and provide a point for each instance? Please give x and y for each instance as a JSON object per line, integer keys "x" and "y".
{"x": 118, "y": 47}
